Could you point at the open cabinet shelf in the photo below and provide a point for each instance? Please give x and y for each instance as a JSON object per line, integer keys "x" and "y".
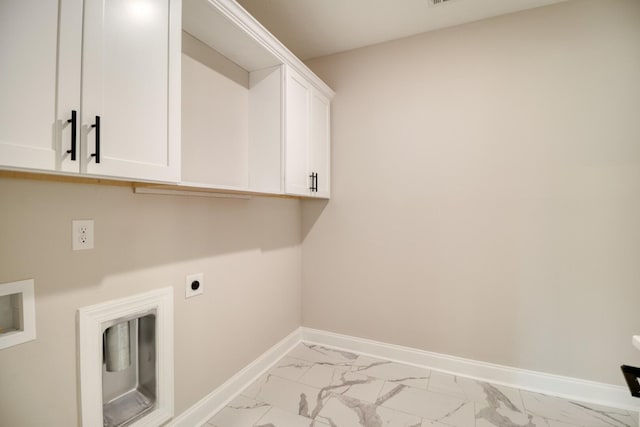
{"x": 236, "y": 115}
{"x": 231, "y": 122}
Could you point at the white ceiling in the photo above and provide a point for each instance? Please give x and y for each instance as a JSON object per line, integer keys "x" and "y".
{"x": 311, "y": 28}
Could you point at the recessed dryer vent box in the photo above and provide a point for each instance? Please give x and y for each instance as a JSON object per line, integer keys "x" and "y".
{"x": 126, "y": 360}
{"x": 17, "y": 313}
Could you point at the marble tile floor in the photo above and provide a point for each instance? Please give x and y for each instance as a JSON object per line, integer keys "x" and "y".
{"x": 315, "y": 386}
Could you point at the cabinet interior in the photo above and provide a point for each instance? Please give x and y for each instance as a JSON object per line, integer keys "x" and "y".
{"x": 232, "y": 109}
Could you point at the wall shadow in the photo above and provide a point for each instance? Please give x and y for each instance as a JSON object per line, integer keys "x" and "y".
{"x": 311, "y": 211}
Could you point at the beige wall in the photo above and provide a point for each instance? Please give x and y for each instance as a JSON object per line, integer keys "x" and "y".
{"x": 486, "y": 192}
{"x": 249, "y": 251}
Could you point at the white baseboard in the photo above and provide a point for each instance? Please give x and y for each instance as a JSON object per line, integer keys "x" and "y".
{"x": 203, "y": 410}
{"x": 556, "y": 385}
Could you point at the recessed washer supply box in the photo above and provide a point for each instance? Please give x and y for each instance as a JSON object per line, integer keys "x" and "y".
{"x": 17, "y": 313}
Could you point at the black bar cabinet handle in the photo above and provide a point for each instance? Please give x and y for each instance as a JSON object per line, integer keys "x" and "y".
{"x": 314, "y": 182}
{"x": 97, "y": 152}
{"x": 74, "y": 122}
{"x": 631, "y": 375}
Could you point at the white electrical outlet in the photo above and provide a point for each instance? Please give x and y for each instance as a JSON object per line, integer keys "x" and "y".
{"x": 194, "y": 285}
{"x": 81, "y": 234}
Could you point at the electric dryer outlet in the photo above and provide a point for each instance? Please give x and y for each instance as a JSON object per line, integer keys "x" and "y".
{"x": 194, "y": 285}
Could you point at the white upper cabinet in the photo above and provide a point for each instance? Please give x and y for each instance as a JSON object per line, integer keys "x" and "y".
{"x": 37, "y": 39}
{"x": 127, "y": 122}
{"x": 130, "y": 60}
{"x": 307, "y": 138}
{"x": 195, "y": 93}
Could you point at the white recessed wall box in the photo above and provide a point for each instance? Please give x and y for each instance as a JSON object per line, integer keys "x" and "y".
{"x": 126, "y": 361}
{"x": 17, "y": 313}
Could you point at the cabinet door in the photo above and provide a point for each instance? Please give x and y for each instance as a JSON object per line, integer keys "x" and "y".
{"x": 319, "y": 144}
{"x": 297, "y": 181}
{"x": 131, "y": 81}
{"x": 40, "y": 45}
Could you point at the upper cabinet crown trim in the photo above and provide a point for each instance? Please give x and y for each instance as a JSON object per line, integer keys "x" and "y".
{"x": 251, "y": 45}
